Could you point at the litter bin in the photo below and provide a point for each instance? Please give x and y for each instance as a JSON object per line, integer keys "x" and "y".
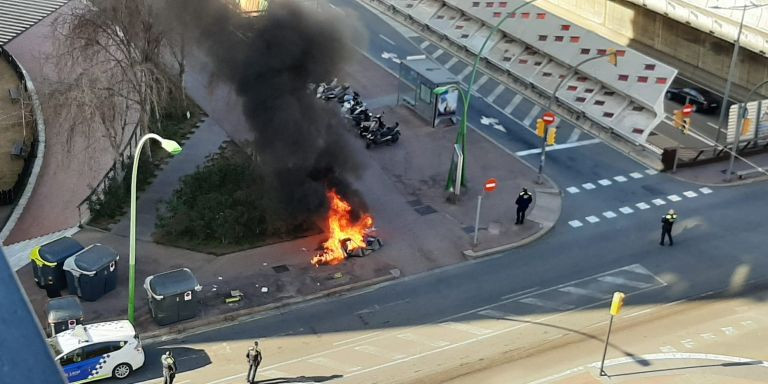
{"x": 172, "y": 296}
{"x": 48, "y": 261}
{"x": 63, "y": 313}
{"x": 92, "y": 272}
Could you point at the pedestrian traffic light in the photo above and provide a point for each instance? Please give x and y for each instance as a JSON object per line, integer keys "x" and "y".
{"x": 746, "y": 127}
{"x": 686, "y": 125}
{"x": 541, "y": 127}
{"x": 551, "y": 136}
{"x": 616, "y": 303}
{"x": 612, "y": 57}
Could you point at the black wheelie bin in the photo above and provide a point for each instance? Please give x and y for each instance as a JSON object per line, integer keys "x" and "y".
{"x": 172, "y": 296}
{"x": 92, "y": 272}
{"x": 63, "y": 313}
{"x": 48, "y": 261}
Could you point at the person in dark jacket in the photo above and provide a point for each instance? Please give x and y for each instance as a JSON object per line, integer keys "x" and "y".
{"x": 666, "y": 226}
{"x": 169, "y": 368}
{"x": 254, "y": 360}
{"x": 524, "y": 200}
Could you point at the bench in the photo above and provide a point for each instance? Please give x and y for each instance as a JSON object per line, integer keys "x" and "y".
{"x": 15, "y": 94}
{"x": 748, "y": 172}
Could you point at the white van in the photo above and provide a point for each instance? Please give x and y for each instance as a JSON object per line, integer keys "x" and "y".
{"x": 98, "y": 351}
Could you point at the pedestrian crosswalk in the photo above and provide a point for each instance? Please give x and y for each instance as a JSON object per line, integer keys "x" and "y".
{"x": 674, "y": 198}
{"x": 611, "y": 181}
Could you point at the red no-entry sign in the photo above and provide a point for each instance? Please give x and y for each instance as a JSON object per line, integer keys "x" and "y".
{"x": 548, "y": 118}
{"x": 490, "y": 185}
{"x": 687, "y": 110}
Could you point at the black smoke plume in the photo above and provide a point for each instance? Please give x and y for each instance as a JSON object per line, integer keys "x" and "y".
{"x": 299, "y": 142}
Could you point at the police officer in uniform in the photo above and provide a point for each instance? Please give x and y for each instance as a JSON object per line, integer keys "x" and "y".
{"x": 666, "y": 226}
{"x": 254, "y": 360}
{"x": 523, "y": 201}
{"x": 169, "y": 368}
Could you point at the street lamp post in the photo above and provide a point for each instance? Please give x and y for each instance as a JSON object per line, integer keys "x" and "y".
{"x": 173, "y": 148}
{"x": 741, "y": 114}
{"x": 729, "y": 80}
{"x": 551, "y": 101}
{"x": 461, "y": 137}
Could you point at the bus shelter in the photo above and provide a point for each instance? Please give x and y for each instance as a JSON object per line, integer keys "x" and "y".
{"x": 419, "y": 77}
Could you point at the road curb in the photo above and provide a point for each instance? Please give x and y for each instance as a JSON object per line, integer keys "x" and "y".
{"x": 196, "y": 326}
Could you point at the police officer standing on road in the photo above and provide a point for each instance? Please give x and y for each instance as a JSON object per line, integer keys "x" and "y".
{"x": 254, "y": 360}
{"x": 169, "y": 368}
{"x": 666, "y": 226}
{"x": 523, "y": 201}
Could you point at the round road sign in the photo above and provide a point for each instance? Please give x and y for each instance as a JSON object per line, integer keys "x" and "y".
{"x": 490, "y": 185}
{"x": 548, "y": 118}
{"x": 687, "y": 109}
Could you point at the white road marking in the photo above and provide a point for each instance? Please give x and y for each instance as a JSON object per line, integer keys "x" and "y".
{"x": 499, "y": 127}
{"x": 424, "y": 44}
{"x": 658, "y": 201}
{"x": 274, "y": 373}
{"x": 356, "y": 338}
{"x": 480, "y": 82}
{"x": 488, "y": 120}
{"x": 572, "y": 190}
{"x": 512, "y": 104}
{"x": 465, "y": 72}
{"x": 674, "y": 198}
{"x": 547, "y": 304}
{"x": 387, "y": 40}
{"x": 609, "y": 214}
{"x": 575, "y": 223}
{"x": 636, "y": 175}
{"x": 520, "y": 293}
{"x": 604, "y": 182}
{"x": 592, "y": 219}
{"x": 588, "y": 186}
{"x": 688, "y": 343}
{"x": 622, "y": 281}
{"x": 708, "y": 336}
{"x": 558, "y": 146}
{"x": 705, "y": 190}
{"x": 690, "y": 194}
{"x": 626, "y": 210}
{"x": 531, "y": 115}
{"x": 574, "y": 136}
{"x": 451, "y": 62}
{"x": 422, "y": 340}
{"x": 466, "y": 328}
{"x": 730, "y": 331}
{"x": 668, "y": 349}
{"x": 642, "y": 205}
{"x": 637, "y": 268}
{"x": 437, "y": 53}
{"x": 651, "y": 172}
{"x": 620, "y": 179}
{"x": 748, "y": 323}
{"x": 380, "y": 352}
{"x": 494, "y": 314}
{"x": 496, "y": 92}
{"x": 584, "y": 292}
{"x": 326, "y": 362}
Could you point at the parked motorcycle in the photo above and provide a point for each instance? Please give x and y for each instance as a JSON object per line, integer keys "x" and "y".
{"x": 331, "y": 93}
{"x": 383, "y": 134}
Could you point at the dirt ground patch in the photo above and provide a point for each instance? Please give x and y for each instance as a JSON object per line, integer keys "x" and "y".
{"x": 11, "y": 127}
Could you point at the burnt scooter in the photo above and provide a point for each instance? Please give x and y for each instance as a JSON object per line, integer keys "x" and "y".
{"x": 382, "y": 134}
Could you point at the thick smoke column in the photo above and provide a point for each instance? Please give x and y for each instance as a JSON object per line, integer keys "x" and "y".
{"x": 298, "y": 141}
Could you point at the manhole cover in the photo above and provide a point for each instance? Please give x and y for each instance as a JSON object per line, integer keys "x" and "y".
{"x": 469, "y": 229}
{"x": 280, "y": 268}
{"x": 415, "y": 203}
{"x": 425, "y": 210}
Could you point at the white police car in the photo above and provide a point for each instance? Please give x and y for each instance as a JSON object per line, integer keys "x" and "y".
{"x": 98, "y": 351}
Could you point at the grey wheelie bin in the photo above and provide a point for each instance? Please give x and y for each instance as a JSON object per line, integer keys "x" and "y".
{"x": 92, "y": 272}
{"x": 172, "y": 296}
{"x": 63, "y": 313}
{"x": 48, "y": 261}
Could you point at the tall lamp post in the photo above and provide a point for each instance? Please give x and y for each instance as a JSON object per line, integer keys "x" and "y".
{"x": 551, "y": 101}
{"x": 174, "y": 149}
{"x": 729, "y": 80}
{"x": 461, "y": 137}
{"x": 741, "y": 114}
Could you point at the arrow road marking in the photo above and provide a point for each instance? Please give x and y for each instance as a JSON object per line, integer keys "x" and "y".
{"x": 386, "y": 39}
{"x": 488, "y": 120}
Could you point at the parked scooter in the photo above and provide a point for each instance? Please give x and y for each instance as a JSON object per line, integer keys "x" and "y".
{"x": 322, "y": 87}
{"x": 331, "y": 93}
{"x": 371, "y": 123}
{"x": 383, "y": 134}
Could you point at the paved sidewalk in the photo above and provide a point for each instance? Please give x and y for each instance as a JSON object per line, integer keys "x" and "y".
{"x": 416, "y": 238}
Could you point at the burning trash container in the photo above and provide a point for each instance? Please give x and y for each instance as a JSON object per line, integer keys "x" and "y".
{"x": 48, "y": 261}
{"x": 172, "y": 296}
{"x": 63, "y": 313}
{"x": 92, "y": 272}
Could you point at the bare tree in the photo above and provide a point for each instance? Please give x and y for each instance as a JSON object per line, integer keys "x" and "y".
{"x": 108, "y": 56}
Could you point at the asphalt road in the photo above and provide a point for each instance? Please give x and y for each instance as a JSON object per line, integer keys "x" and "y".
{"x": 455, "y": 318}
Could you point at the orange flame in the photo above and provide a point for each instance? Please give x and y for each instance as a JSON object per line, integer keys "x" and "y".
{"x": 341, "y": 230}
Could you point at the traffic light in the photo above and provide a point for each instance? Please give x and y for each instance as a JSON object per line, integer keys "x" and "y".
{"x": 551, "y": 136}
{"x": 678, "y": 119}
{"x": 616, "y": 303}
{"x": 541, "y": 127}
{"x": 612, "y": 57}
{"x": 686, "y": 125}
{"x": 746, "y": 127}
